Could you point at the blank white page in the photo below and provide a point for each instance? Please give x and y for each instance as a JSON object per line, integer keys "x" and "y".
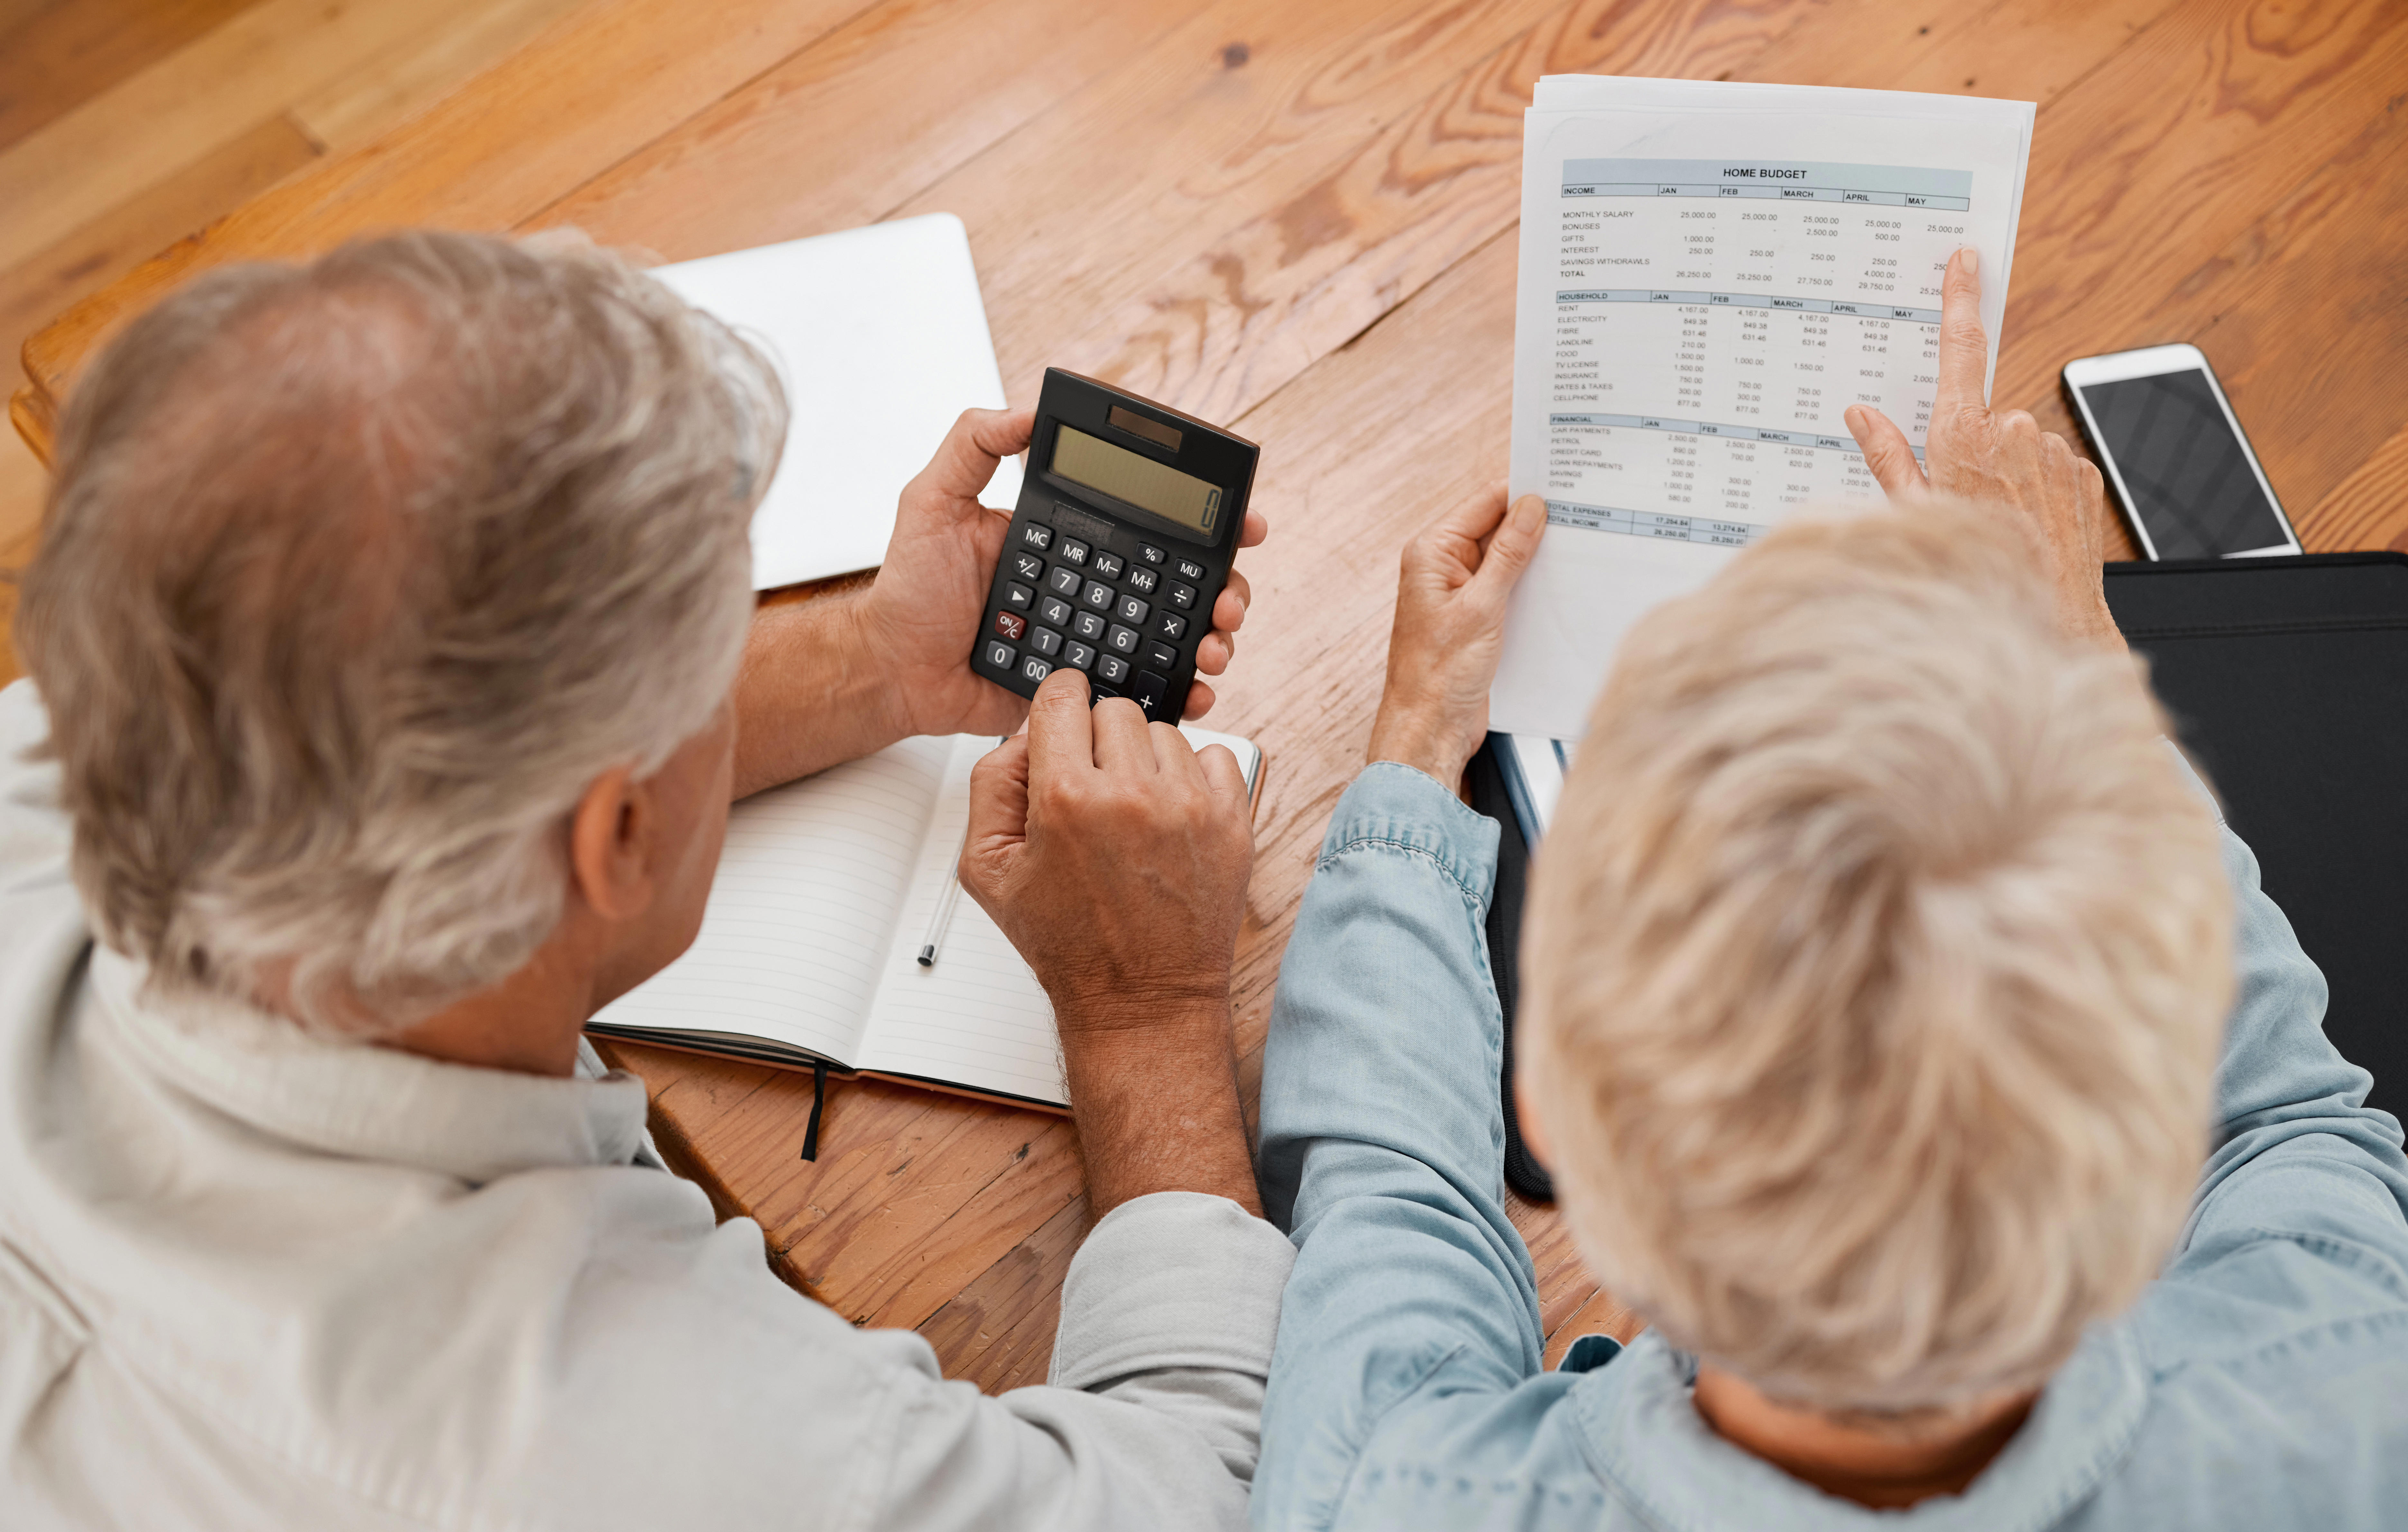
{"x": 979, "y": 1019}
{"x": 804, "y": 907}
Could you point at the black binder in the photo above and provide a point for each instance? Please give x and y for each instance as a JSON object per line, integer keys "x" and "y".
{"x": 2288, "y": 679}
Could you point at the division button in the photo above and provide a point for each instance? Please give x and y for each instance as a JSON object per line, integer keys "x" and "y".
{"x": 1011, "y": 623}
{"x": 1183, "y": 596}
{"x": 1018, "y": 597}
{"x": 1045, "y": 641}
{"x": 999, "y": 655}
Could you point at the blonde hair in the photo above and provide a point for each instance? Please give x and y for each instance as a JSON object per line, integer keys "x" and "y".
{"x": 355, "y": 575}
{"x": 1879, "y": 954}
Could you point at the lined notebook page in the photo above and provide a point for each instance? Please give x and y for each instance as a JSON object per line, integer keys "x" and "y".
{"x": 808, "y": 901}
{"x": 978, "y": 1019}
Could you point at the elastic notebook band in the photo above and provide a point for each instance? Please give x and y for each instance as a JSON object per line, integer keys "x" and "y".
{"x": 819, "y": 1099}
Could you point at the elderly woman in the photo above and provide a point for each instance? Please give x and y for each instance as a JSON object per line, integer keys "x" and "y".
{"x": 396, "y": 661}
{"x": 1881, "y": 1029}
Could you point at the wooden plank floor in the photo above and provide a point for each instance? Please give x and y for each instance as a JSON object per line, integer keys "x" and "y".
{"x": 1300, "y": 218}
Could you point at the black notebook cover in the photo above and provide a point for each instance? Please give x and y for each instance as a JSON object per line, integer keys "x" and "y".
{"x": 2288, "y": 679}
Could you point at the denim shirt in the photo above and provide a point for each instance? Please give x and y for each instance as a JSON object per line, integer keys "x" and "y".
{"x": 2261, "y": 1381}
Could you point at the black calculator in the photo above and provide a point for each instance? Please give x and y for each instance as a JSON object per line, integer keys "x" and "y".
{"x": 1127, "y": 521}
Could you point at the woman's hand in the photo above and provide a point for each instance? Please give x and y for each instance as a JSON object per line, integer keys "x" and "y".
{"x": 1457, "y": 574}
{"x": 2001, "y": 460}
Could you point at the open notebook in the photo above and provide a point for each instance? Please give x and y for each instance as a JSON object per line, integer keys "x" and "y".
{"x": 808, "y": 949}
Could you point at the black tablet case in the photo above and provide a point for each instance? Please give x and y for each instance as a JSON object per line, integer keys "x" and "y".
{"x": 2288, "y": 679}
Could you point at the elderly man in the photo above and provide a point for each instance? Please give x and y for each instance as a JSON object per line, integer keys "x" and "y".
{"x": 397, "y": 663}
{"x": 1878, "y": 960}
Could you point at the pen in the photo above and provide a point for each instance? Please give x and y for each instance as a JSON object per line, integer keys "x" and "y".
{"x": 945, "y": 901}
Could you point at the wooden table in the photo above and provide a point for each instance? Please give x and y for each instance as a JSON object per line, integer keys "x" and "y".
{"x": 1299, "y": 217}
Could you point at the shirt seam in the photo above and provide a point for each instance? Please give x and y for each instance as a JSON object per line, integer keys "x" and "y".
{"x": 1445, "y": 868}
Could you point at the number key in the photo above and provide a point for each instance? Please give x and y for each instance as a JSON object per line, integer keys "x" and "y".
{"x": 1053, "y": 611}
{"x": 999, "y": 655}
{"x": 1123, "y": 640}
{"x": 1088, "y": 626}
{"x": 1063, "y": 581}
{"x": 1110, "y": 668}
{"x": 1132, "y": 611}
{"x": 1033, "y": 668}
{"x": 1078, "y": 655}
{"x": 1046, "y": 642}
{"x": 1098, "y": 596}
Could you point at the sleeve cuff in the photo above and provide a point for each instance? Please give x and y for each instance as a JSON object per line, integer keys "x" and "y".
{"x": 1174, "y": 1279}
{"x": 1392, "y": 803}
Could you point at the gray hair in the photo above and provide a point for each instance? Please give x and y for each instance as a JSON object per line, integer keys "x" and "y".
{"x": 355, "y": 575}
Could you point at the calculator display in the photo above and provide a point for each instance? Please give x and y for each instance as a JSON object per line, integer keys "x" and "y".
{"x": 1137, "y": 480}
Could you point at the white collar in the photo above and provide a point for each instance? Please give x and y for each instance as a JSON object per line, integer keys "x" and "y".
{"x": 362, "y": 1101}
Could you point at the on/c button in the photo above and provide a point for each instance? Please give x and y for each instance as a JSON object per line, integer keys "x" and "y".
{"x": 1011, "y": 623}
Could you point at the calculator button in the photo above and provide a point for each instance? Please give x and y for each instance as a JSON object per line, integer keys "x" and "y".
{"x": 1169, "y": 627}
{"x": 1077, "y": 653}
{"x": 1162, "y": 657}
{"x": 1033, "y": 668}
{"x": 1027, "y": 566}
{"x": 1183, "y": 596}
{"x": 1131, "y": 610}
{"x": 1018, "y": 597}
{"x": 1045, "y": 641}
{"x": 999, "y": 655}
{"x": 1035, "y": 536}
{"x": 1077, "y": 552}
{"x": 1010, "y": 624}
{"x": 1123, "y": 640}
{"x": 1098, "y": 596}
{"x": 1088, "y": 626}
{"x": 1150, "y": 688}
{"x": 1111, "y": 667}
{"x": 1142, "y": 579}
{"x": 1151, "y": 555}
{"x": 1189, "y": 568}
{"x": 1054, "y": 610}
{"x": 1099, "y": 694}
{"x": 1063, "y": 581}
{"x": 1105, "y": 566}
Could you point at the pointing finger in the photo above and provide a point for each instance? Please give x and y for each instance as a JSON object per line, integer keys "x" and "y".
{"x": 1964, "y": 348}
{"x": 1511, "y": 550}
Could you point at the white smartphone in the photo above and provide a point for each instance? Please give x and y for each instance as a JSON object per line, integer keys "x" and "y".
{"x": 2175, "y": 456}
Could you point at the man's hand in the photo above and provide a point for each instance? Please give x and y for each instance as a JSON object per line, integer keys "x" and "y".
{"x": 2001, "y": 460}
{"x": 1449, "y": 631}
{"x": 1115, "y": 858}
{"x": 921, "y": 614}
